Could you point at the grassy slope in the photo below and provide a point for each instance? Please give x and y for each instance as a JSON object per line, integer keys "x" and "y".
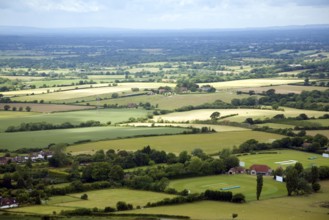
{"x": 247, "y": 183}
{"x": 74, "y": 117}
{"x": 41, "y": 139}
{"x": 303, "y": 207}
{"x": 284, "y": 155}
{"x": 210, "y": 143}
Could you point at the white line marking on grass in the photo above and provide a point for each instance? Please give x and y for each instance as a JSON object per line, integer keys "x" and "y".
{"x": 286, "y": 162}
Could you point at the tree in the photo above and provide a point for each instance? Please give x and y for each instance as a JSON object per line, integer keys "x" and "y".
{"x": 214, "y": 116}
{"x": 183, "y": 157}
{"x": 114, "y": 95}
{"x": 314, "y": 174}
{"x": 234, "y": 215}
{"x": 28, "y": 108}
{"x": 299, "y": 167}
{"x": 259, "y": 185}
{"x": 59, "y": 157}
{"x": 84, "y": 196}
{"x": 6, "y": 107}
{"x": 291, "y": 180}
{"x": 238, "y": 198}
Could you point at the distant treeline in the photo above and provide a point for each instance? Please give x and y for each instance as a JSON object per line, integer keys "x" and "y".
{"x": 37, "y": 126}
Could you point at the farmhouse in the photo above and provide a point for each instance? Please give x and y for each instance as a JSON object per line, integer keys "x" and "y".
{"x": 6, "y": 203}
{"x": 256, "y": 169}
{"x": 236, "y": 170}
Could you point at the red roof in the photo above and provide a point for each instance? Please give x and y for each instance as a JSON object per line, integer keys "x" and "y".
{"x": 260, "y": 168}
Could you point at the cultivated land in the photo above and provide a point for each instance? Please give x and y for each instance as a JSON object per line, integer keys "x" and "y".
{"x": 301, "y": 207}
{"x": 46, "y": 108}
{"x": 285, "y": 89}
{"x": 251, "y": 83}
{"x": 204, "y": 114}
{"x": 209, "y": 143}
{"x": 323, "y": 132}
{"x": 41, "y": 139}
{"x": 271, "y": 188}
{"x": 307, "y": 159}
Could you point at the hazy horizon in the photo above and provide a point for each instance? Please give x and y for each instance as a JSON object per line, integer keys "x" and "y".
{"x": 163, "y": 14}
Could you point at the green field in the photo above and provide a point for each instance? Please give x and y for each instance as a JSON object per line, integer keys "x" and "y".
{"x": 209, "y": 143}
{"x": 301, "y": 207}
{"x": 96, "y": 198}
{"x": 41, "y": 139}
{"x": 284, "y": 155}
{"x": 74, "y": 117}
{"x": 174, "y": 101}
{"x": 247, "y": 183}
{"x": 285, "y": 89}
{"x": 276, "y": 125}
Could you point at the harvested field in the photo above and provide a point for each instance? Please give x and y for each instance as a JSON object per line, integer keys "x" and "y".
{"x": 285, "y": 89}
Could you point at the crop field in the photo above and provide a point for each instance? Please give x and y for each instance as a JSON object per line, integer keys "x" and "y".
{"x": 247, "y": 184}
{"x": 250, "y": 83}
{"x": 96, "y": 198}
{"x": 296, "y": 207}
{"x": 74, "y": 117}
{"x": 209, "y": 143}
{"x": 276, "y": 125}
{"x": 285, "y": 89}
{"x": 47, "y": 108}
{"x": 323, "y": 132}
{"x": 204, "y": 114}
{"x": 174, "y": 101}
{"x": 303, "y": 123}
{"x": 276, "y": 160}
{"x": 78, "y": 93}
{"x": 217, "y": 128}
{"x": 40, "y": 139}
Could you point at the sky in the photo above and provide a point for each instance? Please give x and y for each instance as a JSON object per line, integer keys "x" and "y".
{"x": 163, "y": 14}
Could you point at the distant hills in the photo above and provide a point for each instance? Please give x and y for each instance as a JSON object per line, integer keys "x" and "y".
{"x": 23, "y": 30}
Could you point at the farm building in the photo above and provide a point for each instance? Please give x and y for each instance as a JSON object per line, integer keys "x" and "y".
{"x": 6, "y": 203}
{"x": 4, "y": 160}
{"x": 256, "y": 169}
{"x": 236, "y": 170}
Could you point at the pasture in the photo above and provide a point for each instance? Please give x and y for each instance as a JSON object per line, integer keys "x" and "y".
{"x": 174, "y": 101}
{"x": 296, "y": 207}
{"x": 74, "y": 117}
{"x": 247, "y": 183}
{"x": 284, "y": 155}
{"x": 96, "y": 198}
{"x": 204, "y": 114}
{"x": 41, "y": 139}
{"x": 209, "y": 143}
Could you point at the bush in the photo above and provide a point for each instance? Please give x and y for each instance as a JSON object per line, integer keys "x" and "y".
{"x": 84, "y": 197}
{"x": 239, "y": 198}
{"x": 109, "y": 209}
{"x": 122, "y": 206}
{"x": 316, "y": 187}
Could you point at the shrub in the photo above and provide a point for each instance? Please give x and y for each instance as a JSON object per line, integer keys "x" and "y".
{"x": 239, "y": 198}
{"x": 84, "y": 197}
{"x": 109, "y": 209}
{"x": 316, "y": 187}
{"x": 122, "y": 206}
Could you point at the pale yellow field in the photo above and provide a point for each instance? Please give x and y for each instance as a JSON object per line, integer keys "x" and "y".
{"x": 250, "y": 83}
{"x": 217, "y": 128}
{"x": 204, "y": 114}
{"x": 285, "y": 89}
{"x": 78, "y": 93}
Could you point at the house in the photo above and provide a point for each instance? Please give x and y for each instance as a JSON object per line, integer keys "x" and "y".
{"x": 4, "y": 160}
{"x": 42, "y": 155}
{"x": 236, "y": 170}
{"x": 6, "y": 203}
{"x": 256, "y": 169}
{"x": 20, "y": 159}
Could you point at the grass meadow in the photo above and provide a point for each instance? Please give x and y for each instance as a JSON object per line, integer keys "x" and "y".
{"x": 74, "y": 117}
{"x": 47, "y": 108}
{"x": 41, "y": 139}
{"x": 247, "y": 183}
{"x": 285, "y": 89}
{"x": 314, "y": 132}
{"x": 284, "y": 155}
{"x": 96, "y": 198}
{"x": 175, "y": 101}
{"x": 209, "y": 143}
{"x": 296, "y": 207}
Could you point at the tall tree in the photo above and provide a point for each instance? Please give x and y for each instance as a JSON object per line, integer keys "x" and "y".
{"x": 259, "y": 185}
{"x": 291, "y": 180}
